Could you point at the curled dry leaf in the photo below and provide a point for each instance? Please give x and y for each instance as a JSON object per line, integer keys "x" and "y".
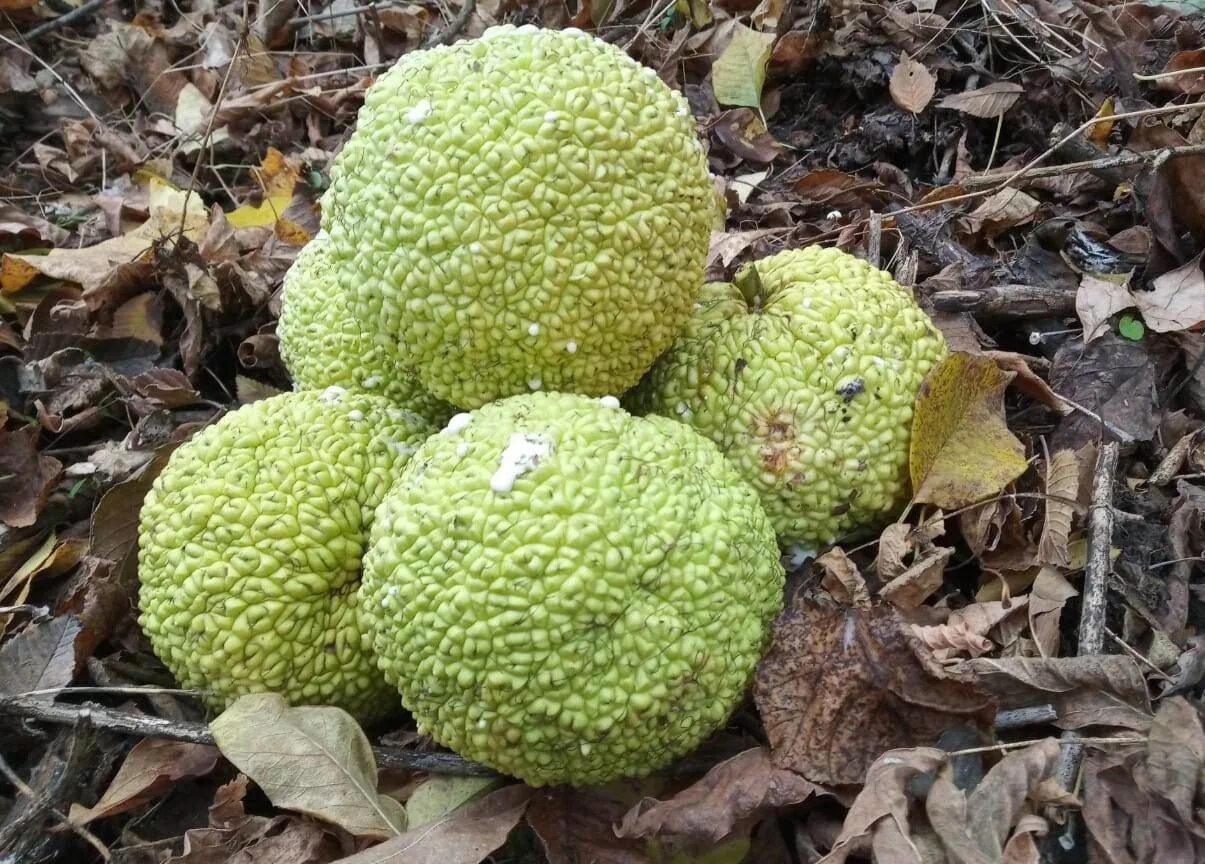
{"x": 312, "y": 759}
{"x": 840, "y": 686}
{"x": 1096, "y": 301}
{"x": 962, "y": 451}
{"x": 1006, "y": 209}
{"x": 975, "y": 826}
{"x": 880, "y": 813}
{"x": 909, "y": 565}
{"x": 1094, "y": 690}
{"x": 967, "y": 630}
{"x": 1062, "y": 492}
{"x": 736, "y": 790}
{"x": 149, "y": 770}
{"x": 1140, "y": 803}
{"x": 1050, "y": 592}
{"x": 466, "y": 836}
{"x": 841, "y": 578}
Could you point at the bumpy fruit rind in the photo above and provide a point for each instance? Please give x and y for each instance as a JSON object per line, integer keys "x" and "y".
{"x": 323, "y": 344}
{"x": 568, "y": 593}
{"x": 804, "y": 371}
{"x": 250, "y": 546}
{"x": 526, "y": 211}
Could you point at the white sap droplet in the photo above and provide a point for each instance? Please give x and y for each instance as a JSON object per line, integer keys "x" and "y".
{"x": 551, "y": 117}
{"x": 535, "y": 383}
{"x": 332, "y": 394}
{"x": 419, "y": 112}
{"x": 356, "y": 416}
{"x": 533, "y": 330}
{"x": 522, "y": 454}
{"x": 571, "y": 347}
{"x": 476, "y": 248}
{"x": 462, "y": 449}
{"x": 372, "y": 381}
{"x": 609, "y": 402}
{"x": 457, "y": 423}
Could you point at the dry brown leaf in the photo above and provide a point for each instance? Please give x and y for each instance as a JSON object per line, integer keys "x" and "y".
{"x": 466, "y": 836}
{"x": 311, "y": 759}
{"x": 742, "y": 131}
{"x": 961, "y": 448}
{"x": 912, "y": 85}
{"x": 1113, "y": 378}
{"x": 1189, "y": 62}
{"x": 841, "y": 578}
{"x": 974, "y": 827}
{"x": 1193, "y": 346}
{"x": 27, "y": 477}
{"x": 1176, "y": 300}
{"x": 1027, "y": 381}
{"x": 967, "y": 630}
{"x": 987, "y": 102}
{"x": 1062, "y": 491}
{"x": 736, "y": 790}
{"x": 1096, "y": 301}
{"x": 1140, "y": 802}
{"x": 149, "y": 770}
{"x": 840, "y": 686}
{"x": 1050, "y": 592}
{"x": 907, "y": 586}
{"x": 1101, "y": 690}
{"x": 576, "y": 825}
{"x": 1001, "y": 212}
{"x": 880, "y": 813}
{"x": 41, "y": 657}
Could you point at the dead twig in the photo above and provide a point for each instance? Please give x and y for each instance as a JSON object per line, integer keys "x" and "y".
{"x": 75, "y": 15}
{"x": 1120, "y": 160}
{"x": 146, "y": 726}
{"x": 445, "y": 36}
{"x": 1096, "y": 576}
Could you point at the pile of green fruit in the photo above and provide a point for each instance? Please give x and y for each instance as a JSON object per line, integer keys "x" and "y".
{"x": 535, "y": 474}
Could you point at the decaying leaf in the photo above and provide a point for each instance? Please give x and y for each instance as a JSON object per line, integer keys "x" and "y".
{"x": 962, "y": 449}
{"x": 909, "y": 565}
{"x": 581, "y": 825}
{"x": 968, "y": 629}
{"x": 1101, "y": 690}
{"x": 27, "y": 477}
{"x": 1111, "y": 377}
{"x": 738, "y": 74}
{"x": 735, "y": 790}
{"x": 1096, "y": 301}
{"x": 42, "y": 657}
{"x": 841, "y": 578}
{"x": 1140, "y": 802}
{"x": 1062, "y": 493}
{"x": 839, "y": 686}
{"x": 1176, "y": 300}
{"x": 149, "y": 770}
{"x": 440, "y": 794}
{"x": 312, "y": 759}
{"x": 1004, "y": 210}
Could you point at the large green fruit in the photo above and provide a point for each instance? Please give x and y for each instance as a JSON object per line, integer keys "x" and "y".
{"x": 568, "y": 593}
{"x": 251, "y": 541}
{"x": 804, "y": 371}
{"x": 529, "y": 210}
{"x": 324, "y": 345}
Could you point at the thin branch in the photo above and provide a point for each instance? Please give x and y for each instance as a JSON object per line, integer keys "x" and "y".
{"x": 77, "y": 14}
{"x": 198, "y": 733}
{"x": 1120, "y": 160}
{"x": 445, "y": 36}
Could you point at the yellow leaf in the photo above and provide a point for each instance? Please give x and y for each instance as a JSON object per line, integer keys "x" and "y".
{"x": 278, "y": 177}
{"x": 1098, "y": 133}
{"x": 740, "y": 71}
{"x": 962, "y": 451}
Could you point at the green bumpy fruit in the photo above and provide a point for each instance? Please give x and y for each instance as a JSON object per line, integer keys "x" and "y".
{"x": 250, "y": 546}
{"x": 323, "y": 345}
{"x": 805, "y": 372}
{"x": 529, "y": 210}
{"x": 568, "y": 593}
